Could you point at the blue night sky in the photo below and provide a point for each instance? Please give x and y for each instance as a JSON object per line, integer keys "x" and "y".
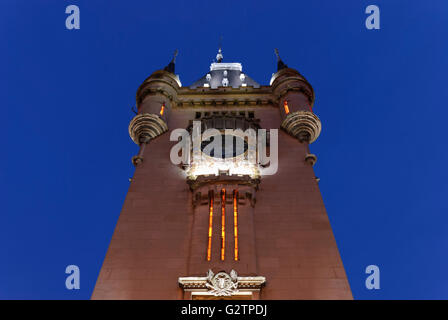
{"x": 66, "y": 104}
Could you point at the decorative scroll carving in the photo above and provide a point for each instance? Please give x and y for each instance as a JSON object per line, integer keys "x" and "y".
{"x": 304, "y": 125}
{"x": 145, "y": 127}
{"x": 222, "y": 284}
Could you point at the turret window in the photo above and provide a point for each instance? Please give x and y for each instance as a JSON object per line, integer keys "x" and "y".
{"x": 162, "y": 109}
{"x": 285, "y": 105}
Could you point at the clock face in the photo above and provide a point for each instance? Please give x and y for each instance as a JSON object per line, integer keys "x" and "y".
{"x": 231, "y": 146}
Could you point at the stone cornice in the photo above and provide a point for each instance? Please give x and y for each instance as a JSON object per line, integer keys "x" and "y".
{"x": 160, "y": 82}
{"x": 241, "y": 97}
{"x": 243, "y": 180}
{"x": 287, "y": 80}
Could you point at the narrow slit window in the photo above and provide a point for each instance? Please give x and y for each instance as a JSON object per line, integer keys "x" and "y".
{"x": 223, "y": 223}
{"x": 210, "y": 225}
{"x": 285, "y": 104}
{"x": 235, "y": 222}
{"x": 162, "y": 109}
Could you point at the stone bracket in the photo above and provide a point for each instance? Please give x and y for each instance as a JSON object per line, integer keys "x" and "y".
{"x": 304, "y": 125}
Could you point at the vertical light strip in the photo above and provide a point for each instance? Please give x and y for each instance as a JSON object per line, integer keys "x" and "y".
{"x": 235, "y": 221}
{"x": 285, "y": 104}
{"x": 223, "y": 223}
{"x": 210, "y": 224}
{"x": 162, "y": 109}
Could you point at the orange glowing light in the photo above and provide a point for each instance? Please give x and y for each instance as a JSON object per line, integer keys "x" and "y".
{"x": 285, "y": 104}
{"x": 210, "y": 224}
{"x": 223, "y": 223}
{"x": 235, "y": 221}
{"x": 162, "y": 110}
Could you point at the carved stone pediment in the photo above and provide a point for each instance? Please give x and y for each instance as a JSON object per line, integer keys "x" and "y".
{"x": 222, "y": 283}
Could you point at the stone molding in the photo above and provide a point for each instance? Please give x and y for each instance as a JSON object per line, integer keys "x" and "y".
{"x": 222, "y": 283}
{"x": 223, "y": 179}
{"x": 310, "y": 159}
{"x": 146, "y": 126}
{"x": 160, "y": 82}
{"x": 304, "y": 125}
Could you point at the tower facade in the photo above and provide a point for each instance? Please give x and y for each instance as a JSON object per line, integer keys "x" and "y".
{"x": 223, "y": 223}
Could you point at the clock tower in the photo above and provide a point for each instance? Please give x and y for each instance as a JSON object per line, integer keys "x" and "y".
{"x": 223, "y": 223}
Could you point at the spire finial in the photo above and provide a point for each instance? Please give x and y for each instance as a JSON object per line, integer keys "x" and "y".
{"x": 176, "y": 52}
{"x": 280, "y": 64}
{"x": 170, "y": 67}
{"x": 277, "y": 54}
{"x": 219, "y": 56}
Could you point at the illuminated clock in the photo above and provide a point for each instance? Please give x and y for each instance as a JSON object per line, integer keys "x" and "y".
{"x": 231, "y": 146}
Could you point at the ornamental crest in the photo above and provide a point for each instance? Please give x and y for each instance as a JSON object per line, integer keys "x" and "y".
{"x": 222, "y": 284}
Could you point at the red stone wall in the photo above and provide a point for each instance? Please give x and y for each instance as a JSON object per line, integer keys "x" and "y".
{"x": 153, "y": 243}
{"x": 296, "y": 250}
{"x": 149, "y": 247}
